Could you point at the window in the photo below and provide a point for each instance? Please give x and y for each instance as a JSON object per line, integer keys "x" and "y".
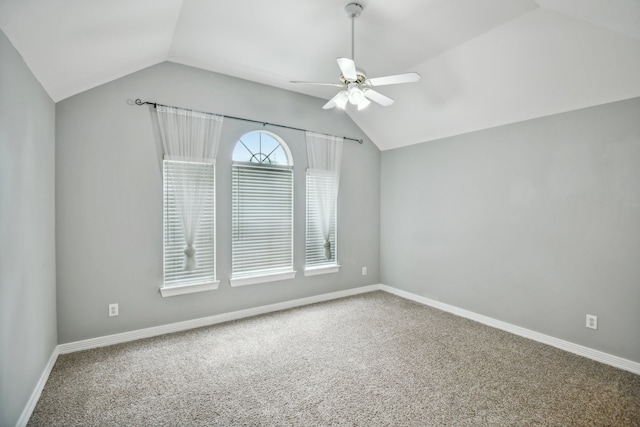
{"x": 262, "y": 210}
{"x": 190, "y": 141}
{"x": 319, "y": 253}
{"x": 324, "y": 153}
{"x": 181, "y": 178}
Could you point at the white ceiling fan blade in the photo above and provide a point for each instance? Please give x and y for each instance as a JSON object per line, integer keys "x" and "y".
{"x": 331, "y": 104}
{"x": 348, "y": 69}
{"x": 392, "y": 80}
{"x": 385, "y": 101}
{"x": 340, "y": 100}
{"x": 317, "y": 83}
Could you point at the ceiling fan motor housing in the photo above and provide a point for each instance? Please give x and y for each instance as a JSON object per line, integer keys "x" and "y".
{"x": 360, "y": 80}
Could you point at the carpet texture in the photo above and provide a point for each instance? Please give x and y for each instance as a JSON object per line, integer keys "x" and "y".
{"x": 369, "y": 360}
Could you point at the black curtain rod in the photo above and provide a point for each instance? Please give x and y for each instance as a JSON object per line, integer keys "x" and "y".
{"x": 155, "y": 104}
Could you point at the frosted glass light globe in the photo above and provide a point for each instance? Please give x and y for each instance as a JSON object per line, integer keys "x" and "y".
{"x": 356, "y": 95}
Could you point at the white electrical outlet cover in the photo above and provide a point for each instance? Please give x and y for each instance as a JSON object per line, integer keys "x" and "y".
{"x": 113, "y": 310}
{"x": 592, "y": 321}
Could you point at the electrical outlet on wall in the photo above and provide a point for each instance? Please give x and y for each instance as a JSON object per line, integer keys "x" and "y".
{"x": 113, "y": 309}
{"x": 592, "y": 321}
{"x": 364, "y": 271}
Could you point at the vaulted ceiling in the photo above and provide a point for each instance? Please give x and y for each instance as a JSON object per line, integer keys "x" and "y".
{"x": 483, "y": 63}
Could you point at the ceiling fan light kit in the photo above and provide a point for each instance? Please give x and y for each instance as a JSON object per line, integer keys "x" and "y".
{"x": 356, "y": 87}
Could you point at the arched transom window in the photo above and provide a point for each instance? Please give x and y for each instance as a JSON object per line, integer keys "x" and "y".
{"x": 263, "y": 148}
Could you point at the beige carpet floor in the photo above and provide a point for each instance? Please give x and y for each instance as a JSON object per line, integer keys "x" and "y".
{"x": 368, "y": 360}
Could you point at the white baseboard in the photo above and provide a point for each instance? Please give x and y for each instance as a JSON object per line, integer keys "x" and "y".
{"x": 206, "y": 321}
{"x": 37, "y": 391}
{"x": 71, "y": 347}
{"x": 580, "y": 350}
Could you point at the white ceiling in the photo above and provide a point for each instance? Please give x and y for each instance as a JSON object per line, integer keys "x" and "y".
{"x": 483, "y": 63}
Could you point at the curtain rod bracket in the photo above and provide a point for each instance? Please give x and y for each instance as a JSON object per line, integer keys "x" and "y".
{"x": 141, "y": 102}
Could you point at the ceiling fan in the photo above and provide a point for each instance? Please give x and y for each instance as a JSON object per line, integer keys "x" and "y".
{"x": 356, "y": 87}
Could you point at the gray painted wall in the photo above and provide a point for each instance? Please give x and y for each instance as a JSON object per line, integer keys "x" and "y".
{"x": 109, "y": 200}
{"x": 535, "y": 223}
{"x": 27, "y": 238}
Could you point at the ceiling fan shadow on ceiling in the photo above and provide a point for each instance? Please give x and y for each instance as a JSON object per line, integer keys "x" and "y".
{"x": 356, "y": 87}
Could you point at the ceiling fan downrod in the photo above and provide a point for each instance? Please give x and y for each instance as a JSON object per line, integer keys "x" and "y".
{"x": 353, "y": 11}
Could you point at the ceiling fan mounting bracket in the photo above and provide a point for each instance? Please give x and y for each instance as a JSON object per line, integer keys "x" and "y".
{"x": 353, "y": 10}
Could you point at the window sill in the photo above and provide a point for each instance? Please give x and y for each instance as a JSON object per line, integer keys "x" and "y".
{"x": 172, "y": 291}
{"x": 253, "y": 280}
{"x": 323, "y": 269}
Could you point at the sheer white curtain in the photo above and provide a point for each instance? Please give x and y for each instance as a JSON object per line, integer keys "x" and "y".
{"x": 324, "y": 153}
{"x": 189, "y": 136}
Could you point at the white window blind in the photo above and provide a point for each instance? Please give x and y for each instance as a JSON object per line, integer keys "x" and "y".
{"x": 319, "y": 184}
{"x": 190, "y": 178}
{"x": 262, "y": 219}
{"x": 324, "y": 153}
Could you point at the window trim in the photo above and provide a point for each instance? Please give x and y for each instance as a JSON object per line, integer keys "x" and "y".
{"x": 321, "y": 269}
{"x": 262, "y": 278}
{"x": 172, "y": 291}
